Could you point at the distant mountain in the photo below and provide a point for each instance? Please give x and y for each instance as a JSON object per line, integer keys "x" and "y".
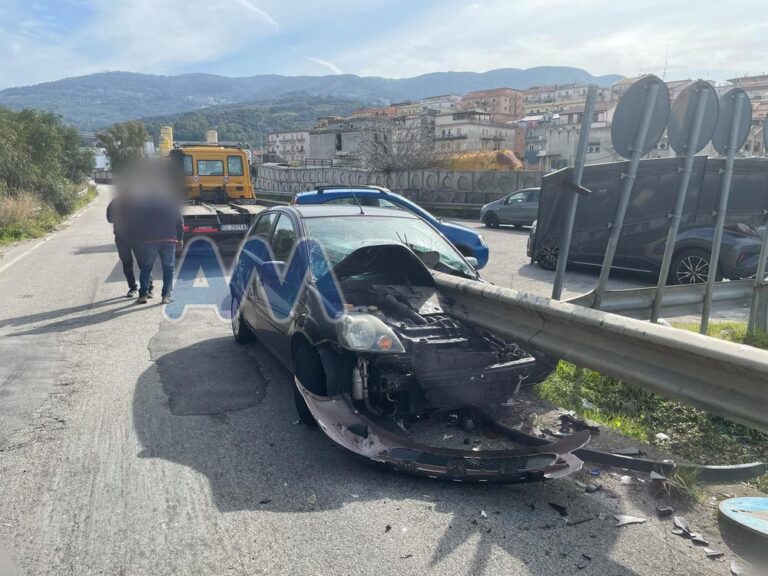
{"x": 97, "y": 100}
{"x": 249, "y": 123}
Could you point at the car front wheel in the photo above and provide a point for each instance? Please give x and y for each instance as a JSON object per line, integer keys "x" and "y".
{"x": 307, "y": 369}
{"x": 690, "y": 267}
{"x": 491, "y": 220}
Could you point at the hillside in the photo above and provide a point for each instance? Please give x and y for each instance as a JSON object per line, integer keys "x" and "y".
{"x": 93, "y": 101}
{"x": 247, "y": 123}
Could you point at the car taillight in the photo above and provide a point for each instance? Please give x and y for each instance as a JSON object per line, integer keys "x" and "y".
{"x": 186, "y": 228}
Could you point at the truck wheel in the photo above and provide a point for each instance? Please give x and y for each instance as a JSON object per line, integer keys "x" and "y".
{"x": 691, "y": 267}
{"x": 240, "y": 330}
{"x": 308, "y": 369}
{"x": 491, "y": 220}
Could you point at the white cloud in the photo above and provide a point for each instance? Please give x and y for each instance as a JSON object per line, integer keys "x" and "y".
{"x": 330, "y": 65}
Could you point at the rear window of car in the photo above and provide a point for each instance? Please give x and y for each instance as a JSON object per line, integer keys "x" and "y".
{"x": 210, "y": 168}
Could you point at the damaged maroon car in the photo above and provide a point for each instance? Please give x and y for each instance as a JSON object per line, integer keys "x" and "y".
{"x": 345, "y": 297}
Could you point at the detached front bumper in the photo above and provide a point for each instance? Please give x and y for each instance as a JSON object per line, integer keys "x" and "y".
{"x": 355, "y": 432}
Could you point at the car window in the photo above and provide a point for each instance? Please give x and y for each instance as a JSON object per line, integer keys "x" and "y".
{"x": 533, "y": 196}
{"x": 384, "y": 203}
{"x": 234, "y": 165}
{"x": 187, "y": 165}
{"x": 210, "y": 168}
{"x": 516, "y": 197}
{"x": 263, "y": 225}
{"x": 350, "y": 201}
{"x": 283, "y": 238}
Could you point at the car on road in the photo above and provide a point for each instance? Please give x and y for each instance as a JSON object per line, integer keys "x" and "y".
{"x": 739, "y": 252}
{"x": 346, "y": 298}
{"x": 469, "y": 242}
{"x": 520, "y": 208}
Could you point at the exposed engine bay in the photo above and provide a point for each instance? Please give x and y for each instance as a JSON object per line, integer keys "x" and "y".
{"x": 445, "y": 363}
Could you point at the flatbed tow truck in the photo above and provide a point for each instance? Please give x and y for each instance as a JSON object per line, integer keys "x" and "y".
{"x": 220, "y": 201}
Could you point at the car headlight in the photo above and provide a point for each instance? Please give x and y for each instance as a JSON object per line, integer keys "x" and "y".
{"x": 362, "y": 332}
{"x": 481, "y": 240}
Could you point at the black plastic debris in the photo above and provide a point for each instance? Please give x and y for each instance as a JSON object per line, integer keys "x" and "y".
{"x": 665, "y": 511}
{"x": 387, "y": 528}
{"x": 584, "y": 562}
{"x": 591, "y": 488}
{"x": 265, "y": 500}
{"x": 562, "y": 510}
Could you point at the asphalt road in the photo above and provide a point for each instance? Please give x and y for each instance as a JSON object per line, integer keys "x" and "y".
{"x": 132, "y": 445}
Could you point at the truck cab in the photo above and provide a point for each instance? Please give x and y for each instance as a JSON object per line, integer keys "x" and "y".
{"x": 214, "y": 173}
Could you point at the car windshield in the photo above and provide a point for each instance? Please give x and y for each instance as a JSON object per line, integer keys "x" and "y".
{"x": 339, "y": 237}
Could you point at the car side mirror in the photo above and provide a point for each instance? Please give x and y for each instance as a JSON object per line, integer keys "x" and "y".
{"x": 472, "y": 261}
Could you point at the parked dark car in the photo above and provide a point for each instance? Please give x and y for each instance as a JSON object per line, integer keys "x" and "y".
{"x": 468, "y": 241}
{"x": 520, "y": 208}
{"x": 644, "y": 234}
{"x": 346, "y": 299}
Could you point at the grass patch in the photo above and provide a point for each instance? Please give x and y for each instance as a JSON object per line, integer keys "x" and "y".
{"x": 695, "y": 436}
{"x": 25, "y": 215}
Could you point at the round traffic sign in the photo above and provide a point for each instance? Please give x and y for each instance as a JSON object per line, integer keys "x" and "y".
{"x": 733, "y": 100}
{"x": 683, "y": 116}
{"x": 628, "y": 118}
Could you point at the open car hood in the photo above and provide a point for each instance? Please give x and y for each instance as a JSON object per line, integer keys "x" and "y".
{"x": 353, "y": 431}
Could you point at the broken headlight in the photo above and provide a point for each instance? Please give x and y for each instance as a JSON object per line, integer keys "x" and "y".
{"x": 366, "y": 333}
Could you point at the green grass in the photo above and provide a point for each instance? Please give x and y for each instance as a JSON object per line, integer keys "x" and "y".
{"x": 26, "y": 224}
{"x": 696, "y": 436}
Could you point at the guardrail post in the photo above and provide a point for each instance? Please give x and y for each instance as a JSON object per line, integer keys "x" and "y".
{"x": 758, "y": 315}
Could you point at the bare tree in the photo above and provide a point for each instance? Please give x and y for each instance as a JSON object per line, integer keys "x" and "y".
{"x": 389, "y": 144}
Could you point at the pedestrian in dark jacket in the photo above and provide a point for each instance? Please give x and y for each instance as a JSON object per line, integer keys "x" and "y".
{"x": 159, "y": 229}
{"x": 119, "y": 215}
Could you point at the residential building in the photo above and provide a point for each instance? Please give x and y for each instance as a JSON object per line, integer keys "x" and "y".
{"x": 470, "y": 131}
{"x": 442, "y": 103}
{"x": 756, "y": 87}
{"x": 408, "y": 108}
{"x": 602, "y": 116}
{"x": 555, "y": 98}
{"x": 340, "y": 140}
{"x": 377, "y": 112}
{"x": 503, "y": 104}
{"x": 289, "y": 144}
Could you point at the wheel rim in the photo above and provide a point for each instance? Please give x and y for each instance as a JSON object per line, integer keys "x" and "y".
{"x": 491, "y": 220}
{"x": 693, "y": 269}
{"x": 548, "y": 256}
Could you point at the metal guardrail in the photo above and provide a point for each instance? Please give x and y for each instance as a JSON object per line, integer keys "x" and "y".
{"x": 726, "y": 379}
{"x": 677, "y": 301}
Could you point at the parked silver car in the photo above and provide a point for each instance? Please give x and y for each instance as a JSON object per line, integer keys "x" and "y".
{"x": 520, "y": 208}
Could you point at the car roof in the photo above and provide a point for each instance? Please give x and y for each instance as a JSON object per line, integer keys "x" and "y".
{"x": 324, "y": 210}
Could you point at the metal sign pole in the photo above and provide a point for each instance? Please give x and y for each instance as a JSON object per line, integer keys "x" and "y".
{"x": 573, "y": 198}
{"x": 734, "y": 143}
{"x": 702, "y": 91}
{"x": 761, "y": 263}
{"x": 629, "y": 180}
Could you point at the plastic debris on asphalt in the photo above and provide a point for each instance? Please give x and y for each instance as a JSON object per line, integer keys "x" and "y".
{"x": 622, "y": 520}
{"x": 584, "y": 562}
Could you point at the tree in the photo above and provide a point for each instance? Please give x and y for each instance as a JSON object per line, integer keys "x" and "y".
{"x": 399, "y": 144}
{"x": 124, "y": 142}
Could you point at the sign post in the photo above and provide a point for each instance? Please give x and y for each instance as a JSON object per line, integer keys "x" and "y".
{"x": 760, "y": 276}
{"x": 573, "y": 198}
{"x": 730, "y": 134}
{"x": 638, "y": 123}
{"x": 693, "y": 120}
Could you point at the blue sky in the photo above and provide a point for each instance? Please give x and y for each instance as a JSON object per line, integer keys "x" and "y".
{"x": 48, "y": 40}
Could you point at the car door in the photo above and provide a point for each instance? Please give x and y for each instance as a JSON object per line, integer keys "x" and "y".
{"x": 510, "y": 211}
{"x": 253, "y": 254}
{"x": 281, "y": 291}
{"x": 530, "y": 208}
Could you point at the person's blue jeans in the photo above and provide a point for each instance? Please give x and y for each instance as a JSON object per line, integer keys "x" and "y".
{"x": 149, "y": 253}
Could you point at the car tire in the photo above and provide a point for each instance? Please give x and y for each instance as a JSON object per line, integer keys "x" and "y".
{"x": 691, "y": 267}
{"x": 240, "y": 330}
{"x": 547, "y": 257}
{"x": 491, "y": 220}
{"x": 307, "y": 369}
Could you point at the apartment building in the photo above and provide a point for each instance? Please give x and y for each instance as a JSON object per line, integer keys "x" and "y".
{"x": 555, "y": 98}
{"x": 471, "y": 131}
{"x": 503, "y": 104}
{"x": 289, "y": 144}
{"x": 442, "y": 103}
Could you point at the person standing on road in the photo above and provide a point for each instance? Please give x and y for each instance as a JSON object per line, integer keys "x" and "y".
{"x": 119, "y": 215}
{"x": 160, "y": 232}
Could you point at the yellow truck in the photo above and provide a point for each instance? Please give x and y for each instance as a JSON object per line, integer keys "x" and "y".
{"x": 219, "y": 195}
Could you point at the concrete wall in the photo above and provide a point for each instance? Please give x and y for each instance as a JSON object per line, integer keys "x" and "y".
{"x": 423, "y": 186}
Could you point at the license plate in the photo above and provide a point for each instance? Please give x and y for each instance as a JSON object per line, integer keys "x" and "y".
{"x": 233, "y": 227}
